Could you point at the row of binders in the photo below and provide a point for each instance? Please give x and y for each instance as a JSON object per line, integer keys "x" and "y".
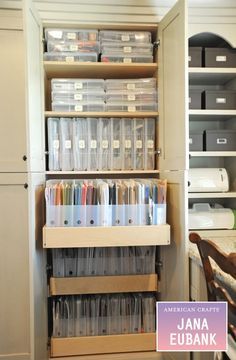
{"x": 98, "y": 261}
{"x": 101, "y": 144}
{"x": 80, "y": 95}
{"x": 107, "y": 202}
{"x": 86, "y": 45}
{"x": 93, "y": 315}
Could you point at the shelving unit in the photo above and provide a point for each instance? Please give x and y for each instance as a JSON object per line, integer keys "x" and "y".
{"x": 212, "y": 195}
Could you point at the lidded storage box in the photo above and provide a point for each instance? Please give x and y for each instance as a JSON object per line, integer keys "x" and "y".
{"x": 196, "y": 141}
{"x": 220, "y": 140}
{"x": 195, "y": 99}
{"x": 220, "y": 99}
{"x": 220, "y": 57}
{"x": 195, "y": 56}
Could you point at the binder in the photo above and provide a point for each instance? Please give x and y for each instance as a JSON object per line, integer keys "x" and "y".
{"x": 94, "y": 142}
{"x": 138, "y": 144}
{"x": 149, "y": 144}
{"x": 105, "y": 144}
{"x": 128, "y": 144}
{"x": 66, "y": 141}
{"x": 80, "y": 139}
{"x": 116, "y": 151}
{"x": 54, "y": 144}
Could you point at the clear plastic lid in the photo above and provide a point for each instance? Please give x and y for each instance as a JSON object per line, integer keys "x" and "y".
{"x": 78, "y": 106}
{"x": 68, "y": 96}
{"x": 131, "y": 96}
{"x": 125, "y": 36}
{"x": 126, "y": 48}
{"x": 131, "y": 58}
{"x": 73, "y": 46}
{"x": 77, "y": 84}
{"x": 71, "y": 34}
{"x": 135, "y": 106}
{"x": 130, "y": 84}
{"x": 71, "y": 57}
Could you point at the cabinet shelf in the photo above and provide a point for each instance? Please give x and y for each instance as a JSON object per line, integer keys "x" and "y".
{"x": 76, "y": 237}
{"x": 226, "y": 195}
{"x": 104, "y": 114}
{"x": 102, "y": 344}
{"x": 211, "y": 76}
{"x": 212, "y": 153}
{"x": 103, "y": 284}
{"x": 98, "y": 69}
{"x": 205, "y": 114}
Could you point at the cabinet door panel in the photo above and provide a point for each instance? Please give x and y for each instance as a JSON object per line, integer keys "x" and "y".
{"x": 173, "y": 89}
{"x": 14, "y": 271}
{"x": 13, "y": 144}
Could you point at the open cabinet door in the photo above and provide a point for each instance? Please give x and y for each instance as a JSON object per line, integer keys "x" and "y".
{"x": 173, "y": 89}
{"x": 34, "y": 87}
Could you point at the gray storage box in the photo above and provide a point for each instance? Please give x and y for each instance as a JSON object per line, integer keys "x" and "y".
{"x": 195, "y": 57}
{"x": 195, "y": 99}
{"x": 196, "y": 141}
{"x": 220, "y": 57}
{"x": 220, "y": 99}
{"x": 220, "y": 140}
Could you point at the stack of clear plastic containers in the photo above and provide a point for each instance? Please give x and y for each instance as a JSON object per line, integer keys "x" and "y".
{"x": 126, "y": 46}
{"x": 72, "y": 45}
{"x": 77, "y": 95}
{"x": 131, "y": 95}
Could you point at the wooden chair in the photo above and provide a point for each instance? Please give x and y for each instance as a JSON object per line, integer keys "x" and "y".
{"x": 215, "y": 291}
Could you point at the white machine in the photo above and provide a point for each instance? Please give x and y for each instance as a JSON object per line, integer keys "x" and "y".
{"x": 204, "y": 216}
{"x": 208, "y": 180}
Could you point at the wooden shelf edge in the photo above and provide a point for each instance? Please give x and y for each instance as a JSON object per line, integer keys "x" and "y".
{"x": 108, "y": 114}
{"x": 103, "y": 284}
{"x": 76, "y": 237}
{"x": 108, "y": 172}
{"x": 89, "y": 345}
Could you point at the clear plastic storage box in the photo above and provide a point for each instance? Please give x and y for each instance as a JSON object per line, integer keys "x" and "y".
{"x": 68, "y": 96}
{"x": 125, "y": 95}
{"x": 82, "y": 46}
{"x": 77, "y": 84}
{"x": 127, "y": 48}
{"x": 131, "y": 58}
{"x": 130, "y": 84}
{"x": 71, "y": 57}
{"x": 127, "y": 106}
{"x": 71, "y": 34}
{"x": 125, "y": 36}
{"x": 78, "y": 106}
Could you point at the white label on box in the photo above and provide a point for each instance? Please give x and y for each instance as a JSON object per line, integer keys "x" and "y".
{"x": 189, "y": 58}
{"x": 105, "y": 144}
{"x": 221, "y": 100}
{"x": 116, "y": 144}
{"x": 131, "y": 108}
{"x": 139, "y": 144}
{"x": 70, "y": 59}
{"x": 190, "y": 141}
{"x": 128, "y": 144}
{"x": 56, "y": 144}
{"x": 125, "y": 37}
{"x": 127, "y": 60}
{"x": 93, "y": 144}
{"x": 78, "y": 85}
{"x": 71, "y": 36}
{"x": 73, "y": 47}
{"x": 189, "y": 100}
{"x": 131, "y": 97}
{"x": 221, "y": 58}
{"x": 127, "y": 49}
{"x": 150, "y": 144}
{"x": 67, "y": 144}
{"x": 81, "y": 144}
{"x": 78, "y": 96}
{"x": 78, "y": 107}
{"x": 130, "y": 86}
{"x": 221, "y": 141}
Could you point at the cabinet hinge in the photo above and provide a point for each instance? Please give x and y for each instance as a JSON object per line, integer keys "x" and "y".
{"x": 156, "y": 43}
{"x": 159, "y": 264}
{"x": 46, "y": 152}
{"x": 158, "y": 151}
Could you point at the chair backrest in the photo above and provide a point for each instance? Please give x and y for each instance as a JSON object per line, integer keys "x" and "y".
{"x": 215, "y": 291}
